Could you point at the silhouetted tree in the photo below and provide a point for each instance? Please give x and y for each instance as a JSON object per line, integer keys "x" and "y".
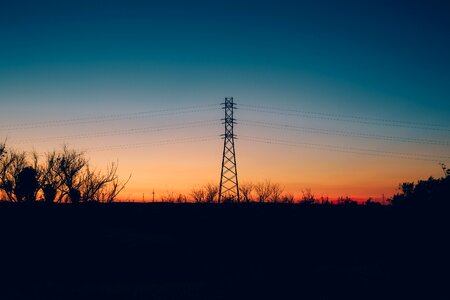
{"x": 49, "y": 193}
{"x": 308, "y": 198}
{"x": 263, "y": 191}
{"x": 211, "y": 192}
{"x": 229, "y": 198}
{"x": 325, "y": 200}
{"x": 287, "y": 198}
{"x": 26, "y": 185}
{"x": 347, "y": 201}
{"x": 74, "y": 195}
{"x": 246, "y": 191}
{"x": 69, "y": 165}
{"x": 198, "y": 195}
{"x": 181, "y": 199}
{"x": 426, "y": 193}
{"x": 171, "y": 197}
{"x": 445, "y": 170}
{"x": 2, "y": 149}
{"x": 100, "y": 187}
{"x": 63, "y": 175}
{"x": 275, "y": 193}
{"x": 370, "y": 202}
{"x": 11, "y": 165}
{"x": 208, "y": 193}
{"x": 50, "y": 179}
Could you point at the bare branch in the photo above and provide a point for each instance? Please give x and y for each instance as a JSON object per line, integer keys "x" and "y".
{"x": 246, "y": 190}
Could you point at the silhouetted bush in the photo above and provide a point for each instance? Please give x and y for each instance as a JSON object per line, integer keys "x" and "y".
{"x": 287, "y": 198}
{"x": 425, "y": 193}
{"x": 346, "y": 201}
{"x": 308, "y": 198}
{"x": 370, "y": 202}
{"x": 264, "y": 191}
{"x": 198, "y": 195}
{"x": 212, "y": 193}
{"x": 2, "y": 150}
{"x": 49, "y": 193}
{"x": 208, "y": 193}
{"x": 246, "y": 191}
{"x": 12, "y": 163}
{"x": 171, "y": 197}
{"x": 75, "y": 196}
{"x": 26, "y": 185}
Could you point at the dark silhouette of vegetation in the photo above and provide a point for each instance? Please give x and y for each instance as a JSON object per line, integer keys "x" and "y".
{"x": 433, "y": 192}
{"x": 246, "y": 191}
{"x": 308, "y": 198}
{"x": 267, "y": 191}
{"x": 49, "y": 193}
{"x": 64, "y": 176}
{"x": 212, "y": 193}
{"x": 171, "y": 197}
{"x": 26, "y": 185}
{"x": 2, "y": 150}
{"x": 347, "y": 201}
{"x": 371, "y": 202}
{"x": 288, "y": 198}
{"x": 11, "y": 165}
{"x": 205, "y": 194}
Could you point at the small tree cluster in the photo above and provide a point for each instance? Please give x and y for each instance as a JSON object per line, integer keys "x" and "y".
{"x": 171, "y": 197}
{"x": 308, "y": 197}
{"x": 425, "y": 193}
{"x": 347, "y": 201}
{"x": 208, "y": 193}
{"x": 59, "y": 177}
{"x": 264, "y": 192}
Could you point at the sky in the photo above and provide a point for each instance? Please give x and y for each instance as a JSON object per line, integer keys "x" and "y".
{"x": 313, "y": 81}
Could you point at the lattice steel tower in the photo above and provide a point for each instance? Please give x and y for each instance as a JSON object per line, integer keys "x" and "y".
{"x": 229, "y": 186}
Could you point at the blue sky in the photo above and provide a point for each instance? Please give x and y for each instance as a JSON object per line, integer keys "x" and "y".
{"x": 393, "y": 51}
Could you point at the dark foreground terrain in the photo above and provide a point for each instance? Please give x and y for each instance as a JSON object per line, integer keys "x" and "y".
{"x": 186, "y": 251}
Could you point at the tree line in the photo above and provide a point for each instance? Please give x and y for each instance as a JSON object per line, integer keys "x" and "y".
{"x": 431, "y": 192}
{"x": 66, "y": 176}
{"x": 57, "y": 176}
{"x": 259, "y": 192}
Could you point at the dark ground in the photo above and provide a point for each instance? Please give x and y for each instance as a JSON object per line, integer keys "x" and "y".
{"x": 187, "y": 251}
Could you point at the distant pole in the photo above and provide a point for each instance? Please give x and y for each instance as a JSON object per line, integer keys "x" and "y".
{"x": 229, "y": 186}
{"x": 143, "y": 200}
{"x": 153, "y": 196}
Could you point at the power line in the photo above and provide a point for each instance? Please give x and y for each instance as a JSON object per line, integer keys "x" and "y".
{"x": 344, "y": 118}
{"x": 123, "y": 132}
{"x": 112, "y": 117}
{"x": 342, "y": 133}
{"x": 413, "y": 156}
{"x": 157, "y": 143}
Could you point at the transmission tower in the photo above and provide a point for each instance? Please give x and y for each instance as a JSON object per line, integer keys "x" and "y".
{"x": 229, "y": 187}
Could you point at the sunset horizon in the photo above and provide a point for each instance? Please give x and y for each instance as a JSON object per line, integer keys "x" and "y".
{"x": 166, "y": 164}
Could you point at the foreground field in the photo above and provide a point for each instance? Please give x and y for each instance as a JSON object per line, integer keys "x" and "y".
{"x": 188, "y": 251}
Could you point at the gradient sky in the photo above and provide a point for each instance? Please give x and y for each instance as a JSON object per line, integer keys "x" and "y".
{"x": 372, "y": 59}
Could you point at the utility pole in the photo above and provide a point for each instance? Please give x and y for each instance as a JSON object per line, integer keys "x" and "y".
{"x": 153, "y": 196}
{"x": 229, "y": 187}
